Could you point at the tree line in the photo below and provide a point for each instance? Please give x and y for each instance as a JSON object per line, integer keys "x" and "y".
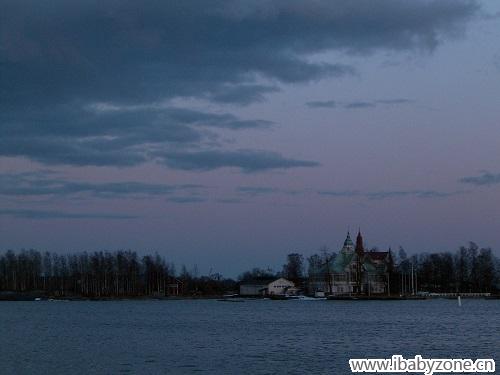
{"x": 468, "y": 270}
{"x": 126, "y": 274}
{"x": 102, "y": 274}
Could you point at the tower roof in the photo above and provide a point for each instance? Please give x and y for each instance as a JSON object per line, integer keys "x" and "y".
{"x": 348, "y": 244}
{"x": 359, "y": 243}
{"x": 348, "y": 241}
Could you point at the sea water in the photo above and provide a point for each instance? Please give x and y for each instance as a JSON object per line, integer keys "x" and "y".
{"x": 252, "y": 337}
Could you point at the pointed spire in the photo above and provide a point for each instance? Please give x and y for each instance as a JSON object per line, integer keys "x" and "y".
{"x": 359, "y": 243}
{"x": 348, "y": 244}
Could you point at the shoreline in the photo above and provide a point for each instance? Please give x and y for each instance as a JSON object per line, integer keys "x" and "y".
{"x": 14, "y": 296}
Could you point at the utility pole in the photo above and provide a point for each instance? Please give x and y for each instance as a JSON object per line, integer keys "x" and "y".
{"x": 411, "y": 279}
{"x": 369, "y": 285}
{"x": 416, "y": 285}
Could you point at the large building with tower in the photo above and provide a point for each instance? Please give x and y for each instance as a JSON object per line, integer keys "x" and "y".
{"x": 355, "y": 271}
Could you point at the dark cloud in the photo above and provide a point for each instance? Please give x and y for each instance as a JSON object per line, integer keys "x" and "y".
{"x": 49, "y": 184}
{"x": 484, "y": 179}
{"x": 375, "y": 103}
{"x": 243, "y": 94}
{"x": 264, "y": 190}
{"x": 411, "y": 193}
{"x": 322, "y": 104}
{"x": 43, "y": 215}
{"x": 357, "y": 104}
{"x": 436, "y": 194}
{"x": 256, "y": 190}
{"x": 103, "y": 134}
{"x": 70, "y": 152}
{"x": 347, "y": 193}
{"x": 379, "y": 195}
{"x": 193, "y": 199}
{"x": 153, "y": 123}
{"x": 80, "y": 82}
{"x": 247, "y": 160}
{"x": 129, "y": 52}
{"x": 394, "y": 101}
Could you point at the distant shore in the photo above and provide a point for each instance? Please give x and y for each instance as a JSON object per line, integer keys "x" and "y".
{"x": 33, "y": 296}
{"x": 11, "y": 296}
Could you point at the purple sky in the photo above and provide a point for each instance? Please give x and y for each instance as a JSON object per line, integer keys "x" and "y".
{"x": 228, "y": 137}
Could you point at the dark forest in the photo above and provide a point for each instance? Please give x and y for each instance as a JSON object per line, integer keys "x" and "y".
{"x": 125, "y": 274}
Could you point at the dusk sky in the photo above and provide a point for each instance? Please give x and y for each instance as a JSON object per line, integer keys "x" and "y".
{"x": 227, "y": 134}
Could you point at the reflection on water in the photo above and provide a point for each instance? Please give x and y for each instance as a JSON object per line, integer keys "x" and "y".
{"x": 254, "y": 337}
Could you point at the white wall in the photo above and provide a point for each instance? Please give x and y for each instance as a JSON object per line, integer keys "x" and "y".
{"x": 279, "y": 286}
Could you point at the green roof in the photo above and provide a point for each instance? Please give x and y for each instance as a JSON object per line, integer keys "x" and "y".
{"x": 345, "y": 258}
{"x": 342, "y": 260}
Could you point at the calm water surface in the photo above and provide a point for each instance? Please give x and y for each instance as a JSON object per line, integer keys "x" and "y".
{"x": 253, "y": 337}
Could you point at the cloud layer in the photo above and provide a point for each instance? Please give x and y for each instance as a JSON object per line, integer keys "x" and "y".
{"x": 51, "y": 214}
{"x": 356, "y": 104}
{"x": 50, "y": 184}
{"x": 247, "y": 160}
{"x": 91, "y": 83}
{"x": 386, "y": 194}
{"x": 485, "y": 179}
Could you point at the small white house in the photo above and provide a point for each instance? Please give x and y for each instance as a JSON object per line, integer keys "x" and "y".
{"x": 280, "y": 286}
